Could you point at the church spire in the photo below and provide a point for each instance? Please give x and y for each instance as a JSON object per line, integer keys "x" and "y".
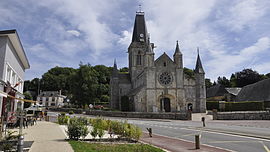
{"x": 177, "y": 50}
{"x": 115, "y": 70}
{"x": 139, "y": 31}
{"x": 199, "y": 68}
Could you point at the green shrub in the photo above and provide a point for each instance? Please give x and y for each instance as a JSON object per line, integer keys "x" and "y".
{"x": 63, "y": 119}
{"x": 244, "y": 106}
{"x": 94, "y": 132}
{"x": 210, "y": 105}
{"x": 100, "y": 132}
{"x": 266, "y": 104}
{"x": 77, "y": 129}
{"x": 70, "y": 112}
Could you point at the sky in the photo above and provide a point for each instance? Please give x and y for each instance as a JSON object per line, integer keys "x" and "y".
{"x": 231, "y": 35}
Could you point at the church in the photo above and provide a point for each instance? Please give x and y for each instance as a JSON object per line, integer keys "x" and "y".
{"x": 159, "y": 85}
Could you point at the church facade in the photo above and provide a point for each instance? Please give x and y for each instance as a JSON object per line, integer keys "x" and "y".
{"x": 156, "y": 85}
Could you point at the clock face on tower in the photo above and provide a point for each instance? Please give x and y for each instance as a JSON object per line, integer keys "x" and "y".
{"x": 165, "y": 78}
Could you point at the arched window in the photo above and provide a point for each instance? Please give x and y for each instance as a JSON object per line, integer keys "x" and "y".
{"x": 139, "y": 58}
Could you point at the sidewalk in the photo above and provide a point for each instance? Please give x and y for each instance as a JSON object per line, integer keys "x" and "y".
{"x": 47, "y": 137}
{"x": 177, "y": 145}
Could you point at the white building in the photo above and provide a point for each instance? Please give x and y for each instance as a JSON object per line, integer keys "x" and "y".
{"x": 51, "y": 99}
{"x": 13, "y": 63}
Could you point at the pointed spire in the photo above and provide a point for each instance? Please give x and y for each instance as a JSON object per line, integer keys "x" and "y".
{"x": 139, "y": 30}
{"x": 115, "y": 70}
{"x": 177, "y": 50}
{"x": 198, "y": 68}
{"x": 114, "y": 64}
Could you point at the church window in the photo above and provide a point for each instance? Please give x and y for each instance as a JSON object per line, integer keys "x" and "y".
{"x": 139, "y": 58}
{"x": 164, "y": 64}
{"x": 165, "y": 78}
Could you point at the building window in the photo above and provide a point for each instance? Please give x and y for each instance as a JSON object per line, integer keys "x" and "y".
{"x": 139, "y": 58}
{"x": 8, "y": 73}
{"x": 47, "y": 98}
{"x": 164, "y": 64}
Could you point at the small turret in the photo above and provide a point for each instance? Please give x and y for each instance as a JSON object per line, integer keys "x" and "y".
{"x": 115, "y": 70}
{"x": 199, "y": 68}
{"x": 200, "y": 105}
{"x": 178, "y": 56}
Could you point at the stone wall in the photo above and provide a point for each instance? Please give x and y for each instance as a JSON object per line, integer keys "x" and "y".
{"x": 146, "y": 115}
{"x": 242, "y": 115}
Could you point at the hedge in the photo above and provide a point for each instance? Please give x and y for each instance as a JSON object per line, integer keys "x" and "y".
{"x": 236, "y": 106}
{"x": 244, "y": 106}
{"x": 210, "y": 105}
{"x": 266, "y": 104}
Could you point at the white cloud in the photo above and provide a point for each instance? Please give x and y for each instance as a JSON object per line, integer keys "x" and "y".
{"x": 242, "y": 13}
{"x": 223, "y": 63}
{"x": 74, "y": 32}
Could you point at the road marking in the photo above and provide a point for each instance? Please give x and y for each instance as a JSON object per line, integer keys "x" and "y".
{"x": 193, "y": 142}
{"x": 228, "y": 134}
{"x": 228, "y": 141}
{"x": 265, "y": 147}
{"x": 193, "y": 134}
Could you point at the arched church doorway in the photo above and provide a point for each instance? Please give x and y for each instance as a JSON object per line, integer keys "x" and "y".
{"x": 165, "y": 104}
{"x": 189, "y": 107}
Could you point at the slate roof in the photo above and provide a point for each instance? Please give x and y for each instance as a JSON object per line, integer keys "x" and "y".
{"x": 216, "y": 90}
{"x": 177, "y": 50}
{"x": 124, "y": 78}
{"x": 139, "y": 28}
{"x": 199, "y": 68}
{"x": 259, "y": 91}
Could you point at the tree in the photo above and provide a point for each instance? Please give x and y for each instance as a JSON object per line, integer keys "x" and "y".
{"x": 246, "y": 77}
{"x": 27, "y": 96}
{"x": 56, "y": 79}
{"x": 124, "y": 69}
{"x": 84, "y": 85}
{"x": 208, "y": 83}
{"x": 224, "y": 81}
{"x": 189, "y": 73}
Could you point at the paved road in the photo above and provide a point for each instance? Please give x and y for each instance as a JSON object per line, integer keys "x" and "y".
{"x": 240, "y": 136}
{"x": 187, "y": 130}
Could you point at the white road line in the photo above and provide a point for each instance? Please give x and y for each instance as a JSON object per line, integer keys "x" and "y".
{"x": 265, "y": 147}
{"x": 193, "y": 142}
{"x": 228, "y": 134}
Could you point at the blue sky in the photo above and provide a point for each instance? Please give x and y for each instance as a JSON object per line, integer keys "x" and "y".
{"x": 231, "y": 35}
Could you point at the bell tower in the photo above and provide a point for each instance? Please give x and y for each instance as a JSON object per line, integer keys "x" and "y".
{"x": 140, "y": 51}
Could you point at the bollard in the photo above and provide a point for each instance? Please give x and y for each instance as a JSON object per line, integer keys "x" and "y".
{"x": 20, "y": 144}
{"x": 150, "y": 131}
{"x": 197, "y": 141}
{"x": 203, "y": 121}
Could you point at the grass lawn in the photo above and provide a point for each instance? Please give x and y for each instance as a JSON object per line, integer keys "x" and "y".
{"x": 79, "y": 146}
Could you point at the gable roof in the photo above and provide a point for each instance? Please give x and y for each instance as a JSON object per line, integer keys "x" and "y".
{"x": 15, "y": 40}
{"x": 216, "y": 90}
{"x": 259, "y": 91}
{"x": 165, "y": 57}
